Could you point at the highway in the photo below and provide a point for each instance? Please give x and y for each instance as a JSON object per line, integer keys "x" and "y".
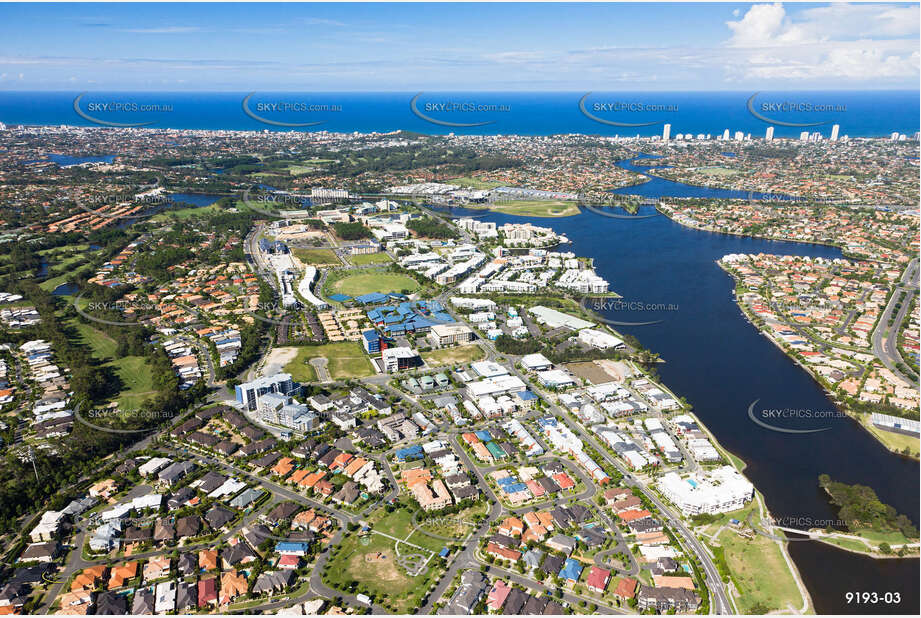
{"x": 885, "y": 339}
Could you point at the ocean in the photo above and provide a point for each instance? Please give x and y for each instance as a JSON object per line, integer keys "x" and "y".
{"x": 859, "y": 114}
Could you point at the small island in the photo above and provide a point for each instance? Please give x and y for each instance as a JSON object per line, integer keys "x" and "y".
{"x": 875, "y": 528}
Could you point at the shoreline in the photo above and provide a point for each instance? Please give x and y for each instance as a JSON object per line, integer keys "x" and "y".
{"x": 842, "y": 407}
{"x": 739, "y": 464}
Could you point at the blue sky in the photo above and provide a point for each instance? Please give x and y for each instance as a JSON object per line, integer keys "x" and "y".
{"x": 407, "y": 47}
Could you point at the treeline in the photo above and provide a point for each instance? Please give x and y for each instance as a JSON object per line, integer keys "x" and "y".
{"x": 251, "y": 340}
{"x": 519, "y": 347}
{"x": 866, "y": 407}
{"x": 351, "y": 231}
{"x": 24, "y": 489}
{"x": 429, "y": 227}
{"x": 156, "y": 264}
{"x": 381, "y": 159}
{"x": 861, "y": 509}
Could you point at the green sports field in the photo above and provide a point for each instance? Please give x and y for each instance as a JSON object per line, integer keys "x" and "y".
{"x": 366, "y": 281}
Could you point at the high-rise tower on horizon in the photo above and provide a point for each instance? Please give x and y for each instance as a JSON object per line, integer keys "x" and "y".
{"x": 666, "y": 132}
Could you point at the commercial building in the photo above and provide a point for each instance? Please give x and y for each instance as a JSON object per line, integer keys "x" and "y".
{"x": 399, "y": 359}
{"x": 600, "y": 339}
{"x": 447, "y": 334}
{"x": 719, "y": 491}
{"x": 248, "y": 393}
{"x": 554, "y": 319}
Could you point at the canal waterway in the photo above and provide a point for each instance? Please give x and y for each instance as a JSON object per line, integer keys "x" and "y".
{"x": 714, "y": 357}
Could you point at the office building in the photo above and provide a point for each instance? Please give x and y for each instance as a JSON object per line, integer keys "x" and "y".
{"x": 446, "y": 334}
{"x": 666, "y": 132}
{"x": 769, "y": 134}
{"x": 834, "y": 133}
{"x": 398, "y": 359}
{"x": 248, "y": 393}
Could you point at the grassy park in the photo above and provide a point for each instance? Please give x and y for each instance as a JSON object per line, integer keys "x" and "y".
{"x": 451, "y": 356}
{"x": 757, "y": 566}
{"x": 133, "y": 371}
{"x": 536, "y": 208}
{"x": 369, "y": 565}
{"x": 315, "y": 257}
{"x": 475, "y": 183}
{"x": 344, "y": 360}
{"x": 356, "y": 283}
{"x": 364, "y": 259}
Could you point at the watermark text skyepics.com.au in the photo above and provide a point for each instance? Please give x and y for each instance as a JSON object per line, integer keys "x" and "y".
{"x": 288, "y": 111}
{"x": 616, "y": 112}
{"x": 800, "y": 413}
{"x": 768, "y": 418}
{"x": 444, "y": 112}
{"x": 602, "y": 306}
{"x": 794, "y": 113}
{"x": 120, "y": 112}
{"x": 620, "y": 304}
{"x": 122, "y": 421}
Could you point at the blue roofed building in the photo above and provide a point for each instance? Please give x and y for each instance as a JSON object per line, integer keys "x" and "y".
{"x": 374, "y": 342}
{"x": 373, "y": 298}
{"x": 514, "y": 488}
{"x": 571, "y": 571}
{"x": 290, "y": 548}
{"x": 409, "y": 453}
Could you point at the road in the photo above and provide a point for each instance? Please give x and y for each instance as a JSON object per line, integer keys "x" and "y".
{"x": 885, "y": 339}
{"x": 720, "y": 602}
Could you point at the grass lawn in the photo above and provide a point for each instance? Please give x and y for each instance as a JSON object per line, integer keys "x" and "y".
{"x": 475, "y": 183}
{"x": 759, "y": 570}
{"x": 537, "y": 208}
{"x": 423, "y": 540}
{"x": 300, "y": 170}
{"x": 398, "y": 524}
{"x": 375, "y": 569}
{"x": 848, "y": 544}
{"x": 895, "y": 538}
{"x": 893, "y": 441}
{"x": 453, "y": 528}
{"x": 313, "y": 257}
{"x": 345, "y": 360}
{"x": 364, "y": 259}
{"x": 185, "y": 213}
{"x": 457, "y": 354}
{"x": 49, "y": 284}
{"x": 365, "y": 282}
{"x": 133, "y": 371}
{"x": 717, "y": 171}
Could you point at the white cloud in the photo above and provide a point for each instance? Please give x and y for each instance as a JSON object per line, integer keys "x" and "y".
{"x": 841, "y": 41}
{"x": 769, "y": 24}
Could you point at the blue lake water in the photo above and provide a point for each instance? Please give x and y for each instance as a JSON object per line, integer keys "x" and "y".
{"x": 195, "y": 199}
{"x": 657, "y": 187}
{"x": 68, "y": 160}
{"x": 65, "y": 289}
